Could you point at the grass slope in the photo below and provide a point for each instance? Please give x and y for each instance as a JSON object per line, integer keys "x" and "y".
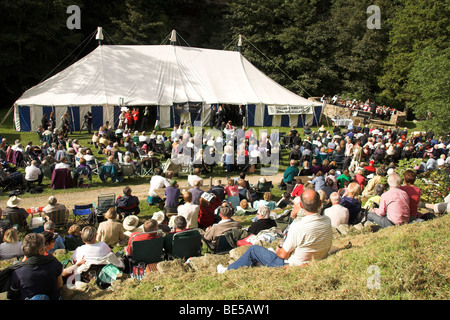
{"x": 412, "y": 260}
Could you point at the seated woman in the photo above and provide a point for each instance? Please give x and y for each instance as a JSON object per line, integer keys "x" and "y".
{"x": 81, "y": 171}
{"x": 232, "y": 192}
{"x": 11, "y": 246}
{"x": 351, "y": 203}
{"x": 244, "y": 208}
{"x": 110, "y": 231}
{"x": 91, "y": 250}
{"x": 73, "y": 238}
{"x": 263, "y": 222}
{"x": 306, "y": 171}
{"x": 266, "y": 202}
{"x": 315, "y": 166}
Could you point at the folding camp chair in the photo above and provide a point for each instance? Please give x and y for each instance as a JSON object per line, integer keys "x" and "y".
{"x": 147, "y": 251}
{"x": 104, "y": 202}
{"x": 147, "y": 168}
{"x": 262, "y": 188}
{"x": 127, "y": 170}
{"x": 183, "y": 244}
{"x": 83, "y": 213}
{"x": 59, "y": 217}
{"x": 219, "y": 246}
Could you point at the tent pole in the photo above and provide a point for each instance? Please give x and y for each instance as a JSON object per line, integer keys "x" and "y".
{"x": 7, "y": 114}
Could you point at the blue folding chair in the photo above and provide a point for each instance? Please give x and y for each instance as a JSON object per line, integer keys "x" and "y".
{"x": 84, "y": 213}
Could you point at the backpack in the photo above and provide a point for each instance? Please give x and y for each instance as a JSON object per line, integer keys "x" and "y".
{"x": 284, "y": 220}
{"x": 107, "y": 275}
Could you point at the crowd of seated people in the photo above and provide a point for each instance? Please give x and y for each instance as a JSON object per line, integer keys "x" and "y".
{"x": 336, "y": 169}
{"x": 381, "y": 112}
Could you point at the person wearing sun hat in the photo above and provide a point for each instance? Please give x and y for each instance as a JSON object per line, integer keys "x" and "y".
{"x": 14, "y": 213}
{"x": 162, "y": 220}
{"x": 130, "y": 224}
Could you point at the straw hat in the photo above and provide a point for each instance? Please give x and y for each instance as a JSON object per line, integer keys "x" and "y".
{"x": 130, "y": 222}
{"x": 158, "y": 216}
{"x": 13, "y": 201}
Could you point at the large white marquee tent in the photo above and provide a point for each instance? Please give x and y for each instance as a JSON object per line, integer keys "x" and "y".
{"x": 162, "y": 76}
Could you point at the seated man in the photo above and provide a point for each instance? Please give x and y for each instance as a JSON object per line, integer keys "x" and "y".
{"x": 14, "y": 214}
{"x": 337, "y": 213}
{"x": 39, "y": 276}
{"x": 172, "y": 194}
{"x": 6, "y": 177}
{"x": 289, "y": 174}
{"x": 127, "y": 204}
{"x": 33, "y": 173}
{"x": 149, "y": 225}
{"x": 218, "y": 190}
{"x": 156, "y": 182}
{"x": 192, "y": 178}
{"x": 394, "y": 205}
{"x": 295, "y": 250}
{"x": 196, "y": 192}
{"x": 226, "y": 223}
{"x": 53, "y": 205}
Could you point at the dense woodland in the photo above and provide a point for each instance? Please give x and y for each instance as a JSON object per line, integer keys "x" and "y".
{"x": 312, "y": 47}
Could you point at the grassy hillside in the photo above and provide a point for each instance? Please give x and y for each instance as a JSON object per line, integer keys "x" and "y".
{"x": 412, "y": 261}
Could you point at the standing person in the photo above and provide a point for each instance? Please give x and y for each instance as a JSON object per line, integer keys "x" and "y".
{"x": 135, "y": 115}
{"x": 39, "y": 277}
{"x": 308, "y": 238}
{"x": 89, "y": 121}
{"x": 212, "y": 119}
{"x": 128, "y": 120}
{"x": 145, "y": 118}
{"x": 394, "y": 205}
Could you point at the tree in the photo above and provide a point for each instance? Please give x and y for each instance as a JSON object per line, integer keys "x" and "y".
{"x": 35, "y": 39}
{"x": 428, "y": 88}
{"x": 415, "y": 25}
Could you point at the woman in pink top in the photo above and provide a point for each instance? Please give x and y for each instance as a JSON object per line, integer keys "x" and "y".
{"x": 231, "y": 189}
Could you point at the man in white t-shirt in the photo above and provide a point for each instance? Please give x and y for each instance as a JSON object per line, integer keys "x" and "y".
{"x": 157, "y": 182}
{"x": 308, "y": 238}
{"x": 33, "y": 173}
{"x": 192, "y": 178}
{"x": 337, "y": 213}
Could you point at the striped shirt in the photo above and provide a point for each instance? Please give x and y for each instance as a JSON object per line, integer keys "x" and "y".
{"x": 308, "y": 238}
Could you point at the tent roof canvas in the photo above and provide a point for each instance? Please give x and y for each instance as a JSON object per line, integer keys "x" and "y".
{"x": 159, "y": 75}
